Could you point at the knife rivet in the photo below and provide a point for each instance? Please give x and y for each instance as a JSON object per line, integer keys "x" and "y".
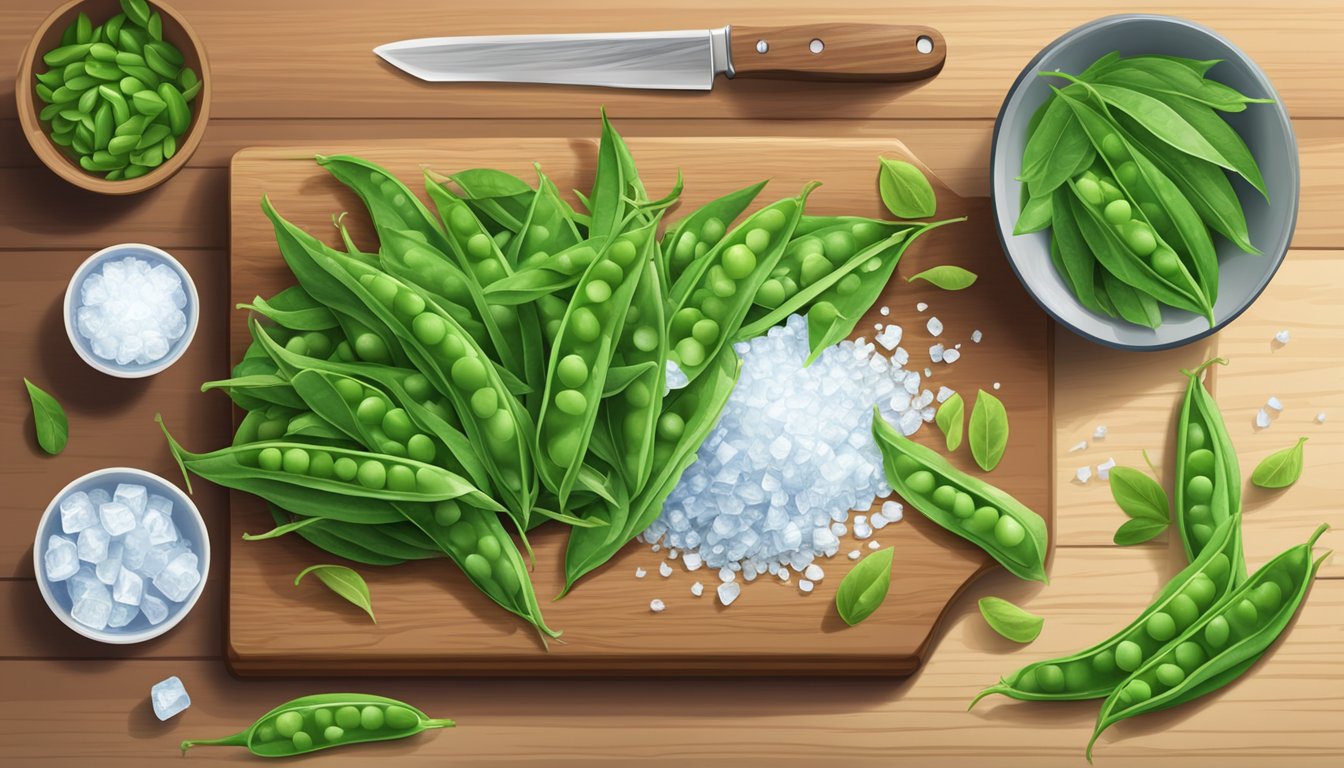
{"x": 924, "y": 44}
{"x": 762, "y": 46}
{"x": 816, "y": 46}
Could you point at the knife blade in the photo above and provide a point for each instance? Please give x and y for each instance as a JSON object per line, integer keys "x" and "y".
{"x": 678, "y": 59}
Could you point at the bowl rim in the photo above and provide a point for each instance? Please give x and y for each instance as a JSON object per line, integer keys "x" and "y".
{"x": 58, "y": 162}
{"x": 104, "y": 636}
{"x": 1295, "y": 170}
{"x": 103, "y": 366}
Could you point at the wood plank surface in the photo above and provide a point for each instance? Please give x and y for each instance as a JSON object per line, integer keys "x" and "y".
{"x": 1284, "y": 711}
{"x": 608, "y": 626}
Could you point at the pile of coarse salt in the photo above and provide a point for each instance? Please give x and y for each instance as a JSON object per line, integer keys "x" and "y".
{"x": 132, "y": 311}
{"x": 792, "y": 455}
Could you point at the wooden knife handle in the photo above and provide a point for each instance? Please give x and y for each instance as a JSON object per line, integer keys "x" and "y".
{"x": 872, "y": 52}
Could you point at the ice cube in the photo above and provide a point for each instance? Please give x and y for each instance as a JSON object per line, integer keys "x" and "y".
{"x": 155, "y": 610}
{"x": 84, "y": 581}
{"x": 169, "y": 697}
{"x": 93, "y": 609}
{"x": 129, "y": 588}
{"x": 117, "y": 518}
{"x": 122, "y": 615}
{"x": 134, "y": 548}
{"x": 159, "y": 527}
{"x": 77, "y": 512}
{"x": 92, "y": 544}
{"x": 162, "y": 503}
{"x": 134, "y": 496}
{"x": 61, "y": 560}
{"x": 110, "y": 566}
{"x": 728, "y": 592}
{"x": 99, "y": 497}
{"x": 179, "y": 577}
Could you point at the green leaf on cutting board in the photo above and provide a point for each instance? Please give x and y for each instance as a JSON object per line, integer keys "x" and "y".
{"x": 49, "y": 420}
{"x": 950, "y": 419}
{"x": 345, "y": 582}
{"x": 988, "y": 431}
{"x": 949, "y": 277}
{"x": 905, "y": 190}
{"x": 864, "y": 587}
{"x": 1010, "y": 621}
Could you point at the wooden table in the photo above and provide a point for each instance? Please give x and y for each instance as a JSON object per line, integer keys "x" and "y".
{"x": 301, "y": 71}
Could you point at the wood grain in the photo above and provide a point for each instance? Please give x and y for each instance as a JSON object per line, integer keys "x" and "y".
{"x": 608, "y": 626}
{"x": 841, "y": 52}
{"x": 1282, "y": 712}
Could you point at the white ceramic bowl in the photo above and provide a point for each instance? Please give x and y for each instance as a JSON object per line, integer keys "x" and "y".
{"x": 84, "y": 347}
{"x": 1264, "y": 127}
{"x": 189, "y": 523}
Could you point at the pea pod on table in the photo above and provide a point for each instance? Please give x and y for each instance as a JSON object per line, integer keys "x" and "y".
{"x": 1221, "y": 644}
{"x": 294, "y": 308}
{"x": 406, "y": 255}
{"x": 971, "y": 508}
{"x": 1095, "y": 672}
{"x": 364, "y": 544}
{"x": 1207, "y": 478}
{"x": 313, "y": 723}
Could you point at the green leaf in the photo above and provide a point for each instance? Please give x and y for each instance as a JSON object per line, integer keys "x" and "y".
{"x": 53, "y": 428}
{"x": 344, "y": 582}
{"x": 950, "y": 419}
{"x": 1138, "y": 530}
{"x": 1139, "y": 495}
{"x": 949, "y": 277}
{"x": 1010, "y": 621}
{"x": 1281, "y": 468}
{"x": 1035, "y": 215}
{"x": 988, "y": 430}
{"x": 281, "y": 530}
{"x": 905, "y": 190}
{"x": 863, "y": 589}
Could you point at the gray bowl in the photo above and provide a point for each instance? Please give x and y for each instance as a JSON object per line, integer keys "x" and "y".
{"x": 1264, "y": 127}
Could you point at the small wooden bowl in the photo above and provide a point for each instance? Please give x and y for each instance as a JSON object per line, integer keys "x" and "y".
{"x": 176, "y": 31}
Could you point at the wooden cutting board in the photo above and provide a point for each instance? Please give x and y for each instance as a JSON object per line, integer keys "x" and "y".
{"x": 431, "y": 621}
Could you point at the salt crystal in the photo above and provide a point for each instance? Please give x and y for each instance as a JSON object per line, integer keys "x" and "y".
{"x": 1262, "y": 419}
{"x": 805, "y": 586}
{"x": 1275, "y": 403}
{"x": 854, "y": 554}
{"x": 996, "y": 385}
{"x": 838, "y": 529}
{"x": 657, "y": 606}
{"x": 692, "y": 561}
{"x": 1081, "y": 446}
{"x": 1104, "y": 469}
{"x": 664, "y": 569}
{"x": 873, "y": 544}
{"x": 1100, "y": 432}
{"x": 727, "y": 574}
{"x": 863, "y": 531}
{"x": 640, "y": 572}
{"x": 951, "y": 356}
{"x": 936, "y": 353}
{"x": 884, "y": 311}
{"x": 728, "y": 592}
{"x": 1282, "y": 337}
{"x": 1083, "y": 474}
{"x": 1320, "y": 417}
{"x": 928, "y": 372}
{"x": 935, "y": 326}
{"x": 697, "y": 589}
{"x": 893, "y": 511}
{"x": 921, "y": 306}
{"x": 944, "y": 393}
{"x": 976, "y": 336}
{"x": 814, "y": 572}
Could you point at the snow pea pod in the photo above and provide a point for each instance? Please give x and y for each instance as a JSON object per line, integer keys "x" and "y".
{"x": 498, "y": 199}
{"x": 1055, "y": 150}
{"x": 576, "y": 375}
{"x": 314, "y": 723}
{"x": 693, "y": 236}
{"x": 1095, "y": 672}
{"x": 1207, "y": 478}
{"x": 382, "y": 545}
{"x": 717, "y": 293}
{"x": 308, "y": 427}
{"x": 1079, "y": 267}
{"x": 391, "y": 203}
{"x": 257, "y": 388}
{"x": 1129, "y": 302}
{"x": 1221, "y": 644}
{"x": 967, "y": 506}
{"x": 547, "y": 228}
{"x": 404, "y": 254}
{"x": 294, "y": 308}
{"x": 554, "y": 274}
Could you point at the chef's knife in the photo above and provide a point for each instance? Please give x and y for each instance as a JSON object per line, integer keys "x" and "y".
{"x": 682, "y": 59}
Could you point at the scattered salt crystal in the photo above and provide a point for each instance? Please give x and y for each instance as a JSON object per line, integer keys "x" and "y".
{"x": 664, "y": 569}
{"x": 673, "y": 554}
{"x": 1083, "y": 474}
{"x": 784, "y": 574}
{"x": 893, "y": 511}
{"x": 639, "y": 572}
{"x": 935, "y": 326}
{"x": 928, "y": 372}
{"x": 692, "y": 561}
{"x": 997, "y": 385}
{"x": 657, "y": 606}
{"x": 656, "y": 547}
{"x": 805, "y": 586}
{"x": 838, "y": 529}
{"x": 697, "y": 589}
{"x": 884, "y": 311}
{"x": 1275, "y": 403}
{"x": 1282, "y": 336}
{"x": 957, "y": 345}
{"x": 1104, "y": 469}
{"x": 853, "y": 554}
{"x": 936, "y": 353}
{"x": 889, "y": 337}
{"x": 873, "y": 544}
{"x": 951, "y": 356}
{"x": 1081, "y": 446}
{"x": 921, "y": 306}
{"x": 728, "y": 592}
{"x": 1262, "y": 419}
{"x": 976, "y": 336}
{"x": 863, "y": 531}
{"x": 814, "y": 572}
{"x": 727, "y": 574}
{"x": 1100, "y": 432}
{"x": 944, "y": 393}
{"x": 1320, "y": 417}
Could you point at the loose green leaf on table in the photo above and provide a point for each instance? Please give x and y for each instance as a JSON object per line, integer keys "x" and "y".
{"x": 950, "y": 419}
{"x": 1138, "y": 530}
{"x": 864, "y": 588}
{"x": 988, "y": 430}
{"x": 949, "y": 277}
{"x": 345, "y": 582}
{"x": 1009, "y": 620}
{"x": 49, "y": 420}
{"x": 1281, "y": 468}
{"x": 1139, "y": 495}
{"x": 905, "y": 190}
